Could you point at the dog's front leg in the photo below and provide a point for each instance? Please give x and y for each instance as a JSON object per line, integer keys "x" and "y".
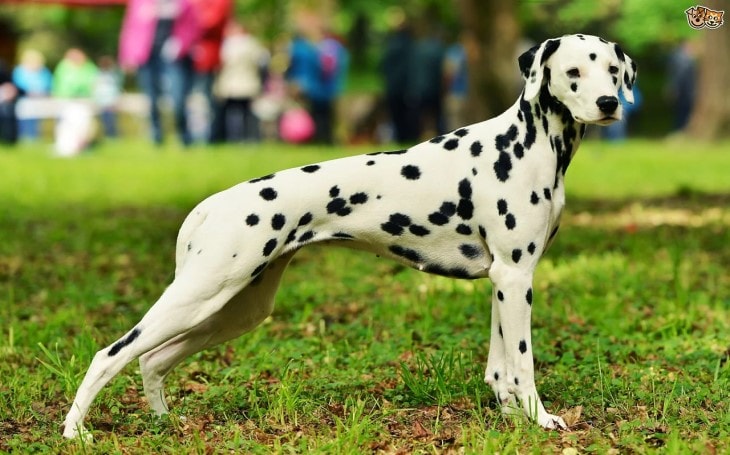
{"x": 513, "y": 288}
{"x": 496, "y": 372}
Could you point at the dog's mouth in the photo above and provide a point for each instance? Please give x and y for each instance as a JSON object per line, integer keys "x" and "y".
{"x": 604, "y": 121}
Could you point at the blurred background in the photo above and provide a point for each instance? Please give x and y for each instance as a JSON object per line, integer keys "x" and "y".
{"x": 356, "y": 71}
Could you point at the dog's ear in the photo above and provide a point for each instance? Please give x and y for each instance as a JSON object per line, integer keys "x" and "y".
{"x": 532, "y": 65}
{"x": 627, "y": 73}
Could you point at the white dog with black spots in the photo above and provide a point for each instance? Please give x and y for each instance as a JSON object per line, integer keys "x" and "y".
{"x": 481, "y": 201}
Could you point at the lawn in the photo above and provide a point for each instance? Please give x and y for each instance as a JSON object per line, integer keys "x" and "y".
{"x": 630, "y": 318}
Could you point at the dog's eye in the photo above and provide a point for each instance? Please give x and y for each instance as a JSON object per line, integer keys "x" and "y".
{"x": 573, "y": 72}
{"x": 613, "y": 69}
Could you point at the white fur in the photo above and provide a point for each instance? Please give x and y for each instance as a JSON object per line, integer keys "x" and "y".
{"x": 456, "y": 205}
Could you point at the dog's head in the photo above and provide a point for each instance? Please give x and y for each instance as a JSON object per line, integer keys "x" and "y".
{"x": 585, "y": 73}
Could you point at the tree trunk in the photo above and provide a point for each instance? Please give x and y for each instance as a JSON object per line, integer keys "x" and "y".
{"x": 710, "y": 118}
{"x": 491, "y": 34}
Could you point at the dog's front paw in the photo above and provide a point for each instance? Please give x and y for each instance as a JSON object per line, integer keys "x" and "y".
{"x": 77, "y": 431}
{"x": 551, "y": 422}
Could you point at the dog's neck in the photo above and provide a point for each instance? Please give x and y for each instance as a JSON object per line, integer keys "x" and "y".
{"x": 545, "y": 112}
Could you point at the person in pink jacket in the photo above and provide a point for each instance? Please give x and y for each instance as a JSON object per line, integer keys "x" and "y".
{"x": 156, "y": 40}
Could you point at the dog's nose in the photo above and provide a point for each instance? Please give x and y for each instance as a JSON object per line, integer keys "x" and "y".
{"x": 607, "y": 104}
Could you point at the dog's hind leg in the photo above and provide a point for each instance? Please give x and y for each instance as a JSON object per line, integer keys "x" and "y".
{"x": 241, "y": 314}
{"x": 186, "y": 303}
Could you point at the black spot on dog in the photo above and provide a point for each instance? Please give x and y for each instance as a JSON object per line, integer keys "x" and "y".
{"x": 397, "y": 152}
{"x": 528, "y": 296}
{"x": 519, "y": 150}
{"x": 334, "y": 191}
{"x": 261, "y": 179}
{"x": 516, "y": 255}
{"x": 370, "y": 163}
{"x": 291, "y": 237}
{"x": 465, "y": 209}
{"x": 500, "y": 296}
{"x": 411, "y": 172}
{"x": 546, "y": 192}
{"x": 574, "y": 86}
{"x": 269, "y": 247}
{"x": 268, "y": 194}
{"x": 392, "y": 228}
{"x": 465, "y": 189}
{"x": 502, "y": 141}
{"x": 592, "y": 56}
{"x": 418, "y": 230}
{"x": 342, "y": 235}
{"x": 307, "y": 236}
{"x": 550, "y": 47}
{"x": 476, "y": 148}
{"x": 461, "y": 132}
{"x": 520, "y": 117}
{"x": 517, "y": 380}
{"x": 260, "y": 268}
{"x": 252, "y": 219}
{"x": 400, "y": 219}
{"x": 344, "y": 211}
{"x": 458, "y": 272}
{"x": 118, "y": 346}
{"x": 438, "y": 218}
{"x": 448, "y": 208}
{"x": 474, "y": 171}
{"x": 502, "y": 166}
{"x": 523, "y": 347}
{"x": 510, "y": 221}
{"x": 411, "y": 255}
{"x": 437, "y": 139}
{"x": 436, "y": 270}
{"x": 470, "y": 251}
{"x": 358, "y": 198}
{"x": 235, "y": 255}
{"x": 463, "y": 229}
{"x": 451, "y": 144}
{"x": 336, "y": 204}
{"x": 534, "y": 198}
{"x": 496, "y": 375}
{"x": 278, "y": 221}
{"x": 305, "y": 219}
{"x": 190, "y": 246}
{"x": 531, "y": 248}
{"x": 482, "y": 232}
{"x": 311, "y": 168}
{"x": 502, "y": 207}
{"x": 545, "y": 125}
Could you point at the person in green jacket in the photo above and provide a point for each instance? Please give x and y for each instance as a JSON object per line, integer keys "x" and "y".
{"x": 74, "y": 76}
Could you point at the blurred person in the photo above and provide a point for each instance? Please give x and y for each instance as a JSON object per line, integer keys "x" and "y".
{"x": 73, "y": 81}
{"x": 395, "y": 68}
{"x": 156, "y": 40}
{"x": 681, "y": 82}
{"x": 618, "y": 130}
{"x": 456, "y": 80}
{"x": 34, "y": 80}
{"x": 426, "y": 83}
{"x": 318, "y": 66}
{"x": 213, "y": 17}
{"x": 107, "y": 90}
{"x": 74, "y": 76}
{"x": 240, "y": 81}
{"x": 8, "y": 98}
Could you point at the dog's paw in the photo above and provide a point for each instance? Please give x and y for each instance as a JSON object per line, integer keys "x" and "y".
{"x": 77, "y": 432}
{"x": 551, "y": 422}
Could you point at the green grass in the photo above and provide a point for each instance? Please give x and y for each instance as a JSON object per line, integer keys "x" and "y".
{"x": 630, "y": 320}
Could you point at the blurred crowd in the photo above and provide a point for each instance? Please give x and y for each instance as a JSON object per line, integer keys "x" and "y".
{"x": 286, "y": 90}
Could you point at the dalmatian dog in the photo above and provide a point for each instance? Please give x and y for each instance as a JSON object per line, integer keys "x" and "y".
{"x": 481, "y": 201}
